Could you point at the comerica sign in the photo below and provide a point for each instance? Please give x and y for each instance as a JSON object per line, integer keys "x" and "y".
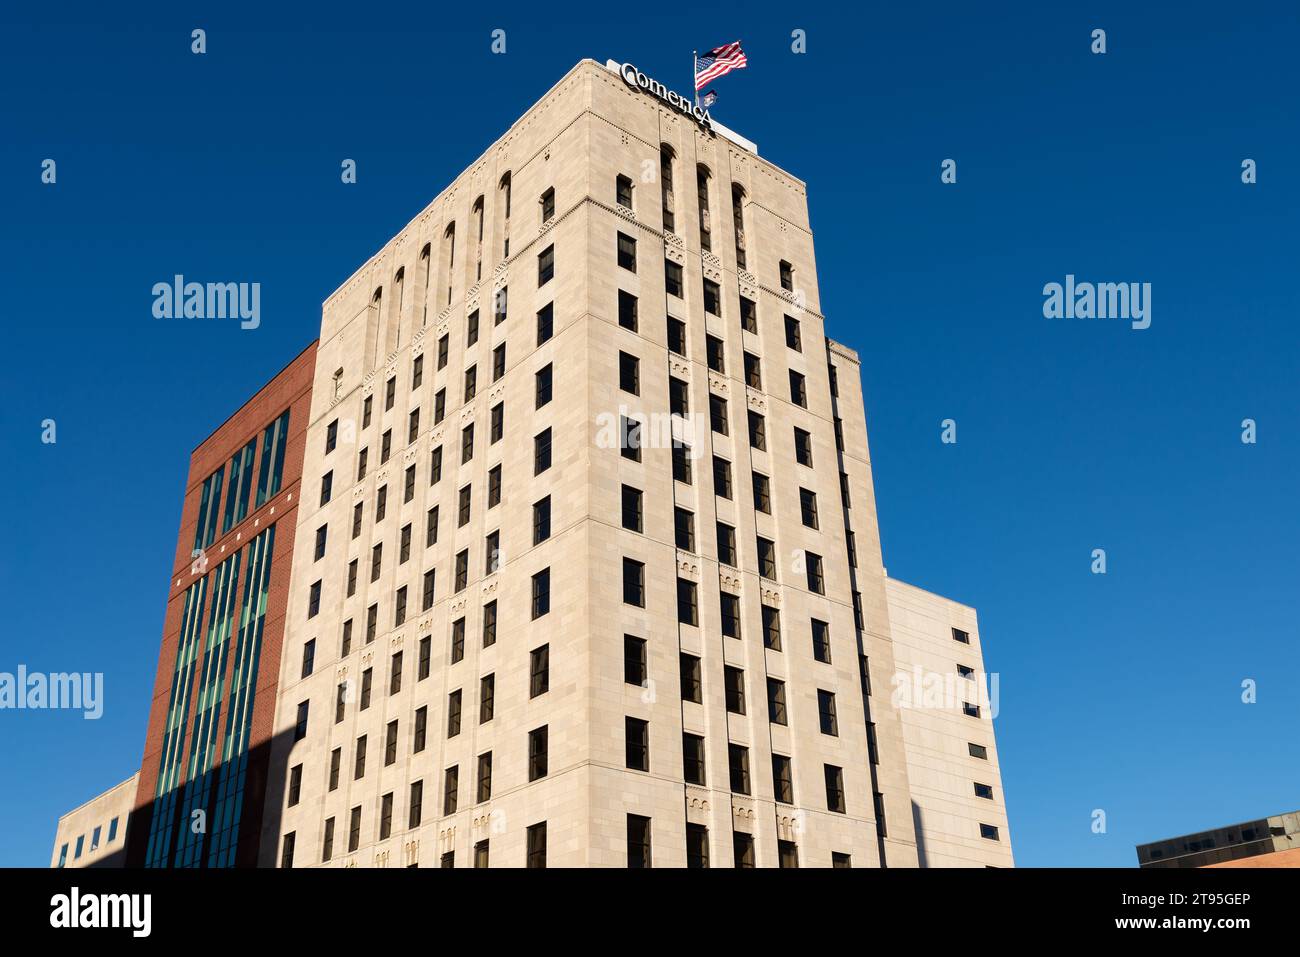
{"x": 684, "y": 104}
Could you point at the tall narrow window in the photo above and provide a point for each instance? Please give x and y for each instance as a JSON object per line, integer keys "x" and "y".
{"x": 666, "y": 157}
{"x": 702, "y": 196}
{"x": 548, "y": 205}
{"x": 271, "y": 473}
{"x": 738, "y": 219}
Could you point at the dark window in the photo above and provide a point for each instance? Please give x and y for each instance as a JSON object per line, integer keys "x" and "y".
{"x": 678, "y": 397}
{"x": 327, "y": 845}
{"x": 959, "y": 635}
{"x": 426, "y": 653}
{"x": 676, "y": 336}
{"x": 308, "y": 657}
{"x": 730, "y": 616}
{"x": 793, "y": 338}
{"x": 684, "y": 529}
{"x": 416, "y": 811}
{"x": 776, "y": 701}
{"x": 978, "y": 751}
{"x": 443, "y": 346}
{"x": 536, "y": 844}
{"x": 471, "y": 382}
{"x": 808, "y": 507}
{"x": 718, "y": 414}
{"x": 697, "y": 845}
{"x": 545, "y": 323}
{"x": 431, "y": 528}
{"x": 537, "y": 753}
{"x": 435, "y": 466}
{"x": 712, "y": 298}
{"x": 738, "y": 768}
{"x": 983, "y": 790}
{"x": 989, "y": 832}
{"x": 390, "y": 743}
{"x": 734, "y": 683}
{"x": 753, "y": 371}
{"x": 687, "y": 604}
{"x": 673, "y": 280}
{"x": 421, "y": 733}
{"x": 295, "y": 786}
{"x": 539, "y": 671}
{"x": 541, "y": 520}
{"x": 634, "y": 661}
{"x": 638, "y": 841}
{"x": 633, "y": 582}
{"x": 757, "y": 430}
{"x": 631, "y": 508}
{"x": 787, "y": 854}
{"x": 458, "y": 640}
{"x": 727, "y": 545}
{"x": 748, "y": 315}
{"x": 681, "y": 462}
{"x": 721, "y": 477}
{"x": 321, "y": 534}
{"x": 359, "y": 764}
{"x": 690, "y": 675}
{"x": 542, "y": 386}
{"x": 787, "y": 276}
{"x": 782, "y": 779}
{"x": 326, "y": 487}
{"x": 630, "y": 438}
{"x": 627, "y": 311}
{"x": 492, "y": 553}
{"x": 395, "y": 673}
{"x": 762, "y": 494}
{"x": 390, "y": 393}
{"x": 313, "y": 600}
{"x": 637, "y": 736}
{"x": 629, "y": 373}
{"x": 803, "y": 447}
{"x": 816, "y": 583}
{"x": 799, "y": 396}
{"x": 714, "y": 354}
{"x": 541, "y": 452}
{"x": 541, "y": 603}
{"x": 548, "y": 205}
{"x": 627, "y": 252}
{"x": 623, "y": 191}
{"x": 767, "y": 558}
{"x": 771, "y": 628}
{"x": 494, "y": 486}
{"x": 545, "y": 265}
{"x": 498, "y": 362}
{"x": 821, "y": 641}
{"x": 841, "y": 860}
{"x": 826, "y": 712}
{"x": 693, "y": 758}
{"x": 834, "y": 788}
{"x": 489, "y": 624}
{"x": 450, "y": 789}
{"x": 486, "y": 698}
{"x": 484, "y": 791}
{"x": 742, "y": 846}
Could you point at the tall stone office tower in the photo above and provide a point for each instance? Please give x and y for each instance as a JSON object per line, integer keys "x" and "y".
{"x": 587, "y": 568}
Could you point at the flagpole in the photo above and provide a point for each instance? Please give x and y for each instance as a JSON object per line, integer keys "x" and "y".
{"x": 695, "y": 64}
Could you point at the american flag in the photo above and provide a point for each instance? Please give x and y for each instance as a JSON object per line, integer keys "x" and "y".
{"x": 718, "y": 62}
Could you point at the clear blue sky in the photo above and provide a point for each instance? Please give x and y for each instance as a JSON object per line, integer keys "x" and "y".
{"x": 1119, "y": 692}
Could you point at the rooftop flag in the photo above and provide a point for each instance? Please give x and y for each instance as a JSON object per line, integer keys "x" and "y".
{"x": 718, "y": 62}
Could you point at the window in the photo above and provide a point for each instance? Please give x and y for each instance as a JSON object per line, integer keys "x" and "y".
{"x": 321, "y": 534}
{"x": 548, "y": 205}
{"x": 962, "y": 636}
{"x": 970, "y": 710}
{"x": 727, "y": 545}
{"x": 541, "y": 520}
{"x": 821, "y": 641}
{"x": 965, "y": 671}
{"x": 390, "y": 743}
{"x": 693, "y": 759}
{"x": 462, "y": 571}
{"x": 771, "y": 628}
{"x": 500, "y": 305}
{"x": 354, "y": 829}
{"x": 681, "y": 462}
{"x": 412, "y": 426}
{"x": 546, "y": 265}
{"x": 630, "y": 438}
{"x": 637, "y": 738}
{"x": 487, "y": 686}
{"x": 984, "y": 791}
{"x": 627, "y": 252}
{"x": 718, "y": 414}
{"x": 327, "y": 845}
{"x": 633, "y": 582}
{"x": 627, "y": 311}
{"x": 808, "y": 507}
{"x": 541, "y": 452}
{"x": 431, "y": 528}
{"x": 678, "y": 397}
{"x": 443, "y": 346}
{"x": 730, "y": 616}
{"x": 439, "y": 405}
{"x": 631, "y": 508}
{"x": 692, "y": 690}
{"x": 762, "y": 493}
{"x": 492, "y": 553}
{"x": 666, "y": 156}
{"x": 697, "y": 845}
{"x": 782, "y": 779}
{"x": 757, "y": 430}
{"x": 742, "y": 845}
{"x": 313, "y": 601}
{"x": 471, "y": 329}
{"x": 481, "y": 853}
{"x": 346, "y": 644}
{"x": 541, "y": 593}
{"x": 834, "y": 788}
{"x": 484, "y": 792}
{"x": 376, "y": 561}
{"x": 702, "y": 197}
{"x": 385, "y": 446}
{"x": 687, "y": 604}
{"x": 435, "y": 466}
{"x": 494, "y": 486}
{"x": 408, "y": 485}
{"x": 734, "y": 684}
{"x": 816, "y": 583}
{"x": 359, "y": 765}
{"x": 803, "y": 447}
{"x": 536, "y": 844}
{"x": 471, "y": 382}
{"x": 684, "y": 529}
{"x": 841, "y": 860}
{"x": 286, "y": 854}
{"x": 826, "y": 712}
{"x": 638, "y": 841}
{"x": 426, "y": 653}
{"x": 787, "y": 854}
{"x": 326, "y": 487}
{"x": 721, "y": 477}
{"x": 629, "y": 373}
{"x": 395, "y": 673}
{"x": 274, "y": 438}
{"x": 766, "y": 558}
{"x": 712, "y": 298}
{"x": 367, "y": 407}
{"x": 464, "y": 498}
{"x": 416, "y": 804}
{"x": 340, "y": 702}
{"x": 673, "y": 283}
{"x": 776, "y": 701}
{"x": 714, "y": 353}
{"x": 542, "y": 382}
{"x": 545, "y": 323}
{"x": 457, "y": 640}
{"x": 793, "y": 338}
{"x": 799, "y": 393}
{"x": 978, "y": 751}
{"x": 450, "y": 789}
{"x": 539, "y": 671}
{"x": 336, "y": 760}
{"x": 989, "y": 832}
{"x": 241, "y": 486}
{"x": 295, "y": 792}
{"x": 753, "y": 371}
{"x": 634, "y": 661}
{"x": 623, "y": 191}
{"x": 467, "y": 443}
{"x": 676, "y": 336}
{"x": 421, "y": 733}
{"x": 381, "y": 503}
{"x": 738, "y": 768}
{"x": 787, "y": 276}
{"x": 372, "y": 622}
{"x": 489, "y": 624}
{"x": 537, "y": 753}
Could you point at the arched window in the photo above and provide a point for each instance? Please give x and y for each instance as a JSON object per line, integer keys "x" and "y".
{"x": 738, "y": 218}
{"x": 666, "y": 157}
{"x": 448, "y": 260}
{"x": 477, "y": 215}
{"x": 503, "y": 215}
{"x": 425, "y": 263}
{"x": 702, "y": 191}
